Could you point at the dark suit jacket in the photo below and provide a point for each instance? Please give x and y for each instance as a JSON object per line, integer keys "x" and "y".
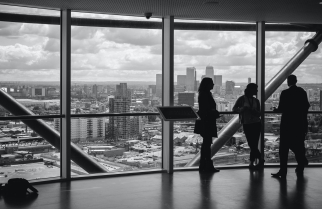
{"x": 207, "y": 106}
{"x": 294, "y": 107}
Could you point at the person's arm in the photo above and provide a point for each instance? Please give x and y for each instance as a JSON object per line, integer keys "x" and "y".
{"x": 238, "y": 107}
{"x": 306, "y": 101}
{"x": 281, "y": 104}
{"x": 257, "y": 111}
{"x": 306, "y": 107}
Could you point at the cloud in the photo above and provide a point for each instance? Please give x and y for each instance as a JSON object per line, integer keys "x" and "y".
{"x": 27, "y": 58}
{"x": 202, "y": 43}
{"x": 137, "y": 37}
{"x": 10, "y": 29}
{"x": 31, "y": 51}
{"x": 16, "y": 30}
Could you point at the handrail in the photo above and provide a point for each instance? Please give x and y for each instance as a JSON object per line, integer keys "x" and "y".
{"x": 34, "y": 117}
{"x": 31, "y": 117}
{"x": 113, "y": 114}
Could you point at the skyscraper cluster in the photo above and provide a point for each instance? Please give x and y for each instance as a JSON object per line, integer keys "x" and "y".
{"x": 190, "y": 82}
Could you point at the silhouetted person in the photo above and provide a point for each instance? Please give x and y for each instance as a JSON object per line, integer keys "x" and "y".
{"x": 294, "y": 107}
{"x": 248, "y": 108}
{"x": 206, "y": 127}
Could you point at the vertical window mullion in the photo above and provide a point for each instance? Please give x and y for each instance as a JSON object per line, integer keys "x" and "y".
{"x": 65, "y": 92}
{"x": 167, "y": 90}
{"x": 260, "y": 77}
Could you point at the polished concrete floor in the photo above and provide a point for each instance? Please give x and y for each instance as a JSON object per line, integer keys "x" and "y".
{"x": 233, "y": 188}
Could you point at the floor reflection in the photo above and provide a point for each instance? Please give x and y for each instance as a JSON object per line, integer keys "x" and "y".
{"x": 206, "y": 200}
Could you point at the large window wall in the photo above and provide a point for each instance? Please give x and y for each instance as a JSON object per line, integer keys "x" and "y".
{"x": 117, "y": 71}
{"x": 30, "y": 88}
{"x": 116, "y": 83}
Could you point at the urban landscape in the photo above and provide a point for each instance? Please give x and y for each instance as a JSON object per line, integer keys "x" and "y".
{"x": 130, "y": 143}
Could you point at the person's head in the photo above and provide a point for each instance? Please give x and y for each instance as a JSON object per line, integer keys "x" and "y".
{"x": 206, "y": 84}
{"x": 251, "y": 89}
{"x": 291, "y": 80}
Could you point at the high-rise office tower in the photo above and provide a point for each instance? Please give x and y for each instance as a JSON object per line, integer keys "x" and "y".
{"x": 249, "y": 80}
{"x": 210, "y": 72}
{"x": 320, "y": 100}
{"x": 99, "y": 89}
{"x": 151, "y": 90}
{"x": 94, "y": 90}
{"x": 136, "y": 125}
{"x": 191, "y": 79}
{"x": 86, "y": 90}
{"x": 121, "y": 90}
{"x": 181, "y": 80}
{"x": 119, "y": 127}
{"x": 159, "y": 85}
{"x": 218, "y": 80}
{"x": 230, "y": 86}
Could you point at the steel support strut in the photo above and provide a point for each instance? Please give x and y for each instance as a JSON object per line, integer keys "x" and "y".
{"x": 49, "y": 134}
{"x": 233, "y": 125}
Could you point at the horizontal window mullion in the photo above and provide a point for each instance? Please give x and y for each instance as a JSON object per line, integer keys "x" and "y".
{"x": 40, "y": 19}
{"x": 31, "y": 117}
{"x": 111, "y": 115}
{"x": 309, "y": 112}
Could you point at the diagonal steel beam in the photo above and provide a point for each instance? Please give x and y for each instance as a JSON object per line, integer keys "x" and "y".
{"x": 49, "y": 134}
{"x": 233, "y": 125}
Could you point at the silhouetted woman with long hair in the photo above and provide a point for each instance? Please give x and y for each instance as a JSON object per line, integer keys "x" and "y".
{"x": 248, "y": 108}
{"x": 206, "y": 127}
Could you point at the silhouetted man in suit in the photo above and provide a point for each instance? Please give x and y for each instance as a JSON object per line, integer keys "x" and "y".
{"x": 294, "y": 107}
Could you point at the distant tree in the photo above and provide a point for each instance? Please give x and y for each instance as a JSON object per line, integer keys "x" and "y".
{"x": 152, "y": 118}
{"x": 36, "y": 108}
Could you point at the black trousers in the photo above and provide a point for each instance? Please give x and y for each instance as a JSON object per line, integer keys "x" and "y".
{"x": 298, "y": 147}
{"x": 252, "y": 132}
{"x": 205, "y": 154}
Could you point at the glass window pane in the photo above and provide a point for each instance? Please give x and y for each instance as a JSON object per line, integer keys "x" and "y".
{"x": 24, "y": 153}
{"x": 116, "y": 70}
{"x": 30, "y": 66}
{"x": 123, "y": 143}
{"x": 312, "y": 143}
{"x": 280, "y": 48}
{"x": 228, "y": 57}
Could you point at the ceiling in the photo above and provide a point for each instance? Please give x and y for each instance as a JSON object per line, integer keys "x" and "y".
{"x": 277, "y": 11}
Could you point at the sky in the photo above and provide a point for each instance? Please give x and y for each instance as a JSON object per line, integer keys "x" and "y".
{"x": 31, "y": 52}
